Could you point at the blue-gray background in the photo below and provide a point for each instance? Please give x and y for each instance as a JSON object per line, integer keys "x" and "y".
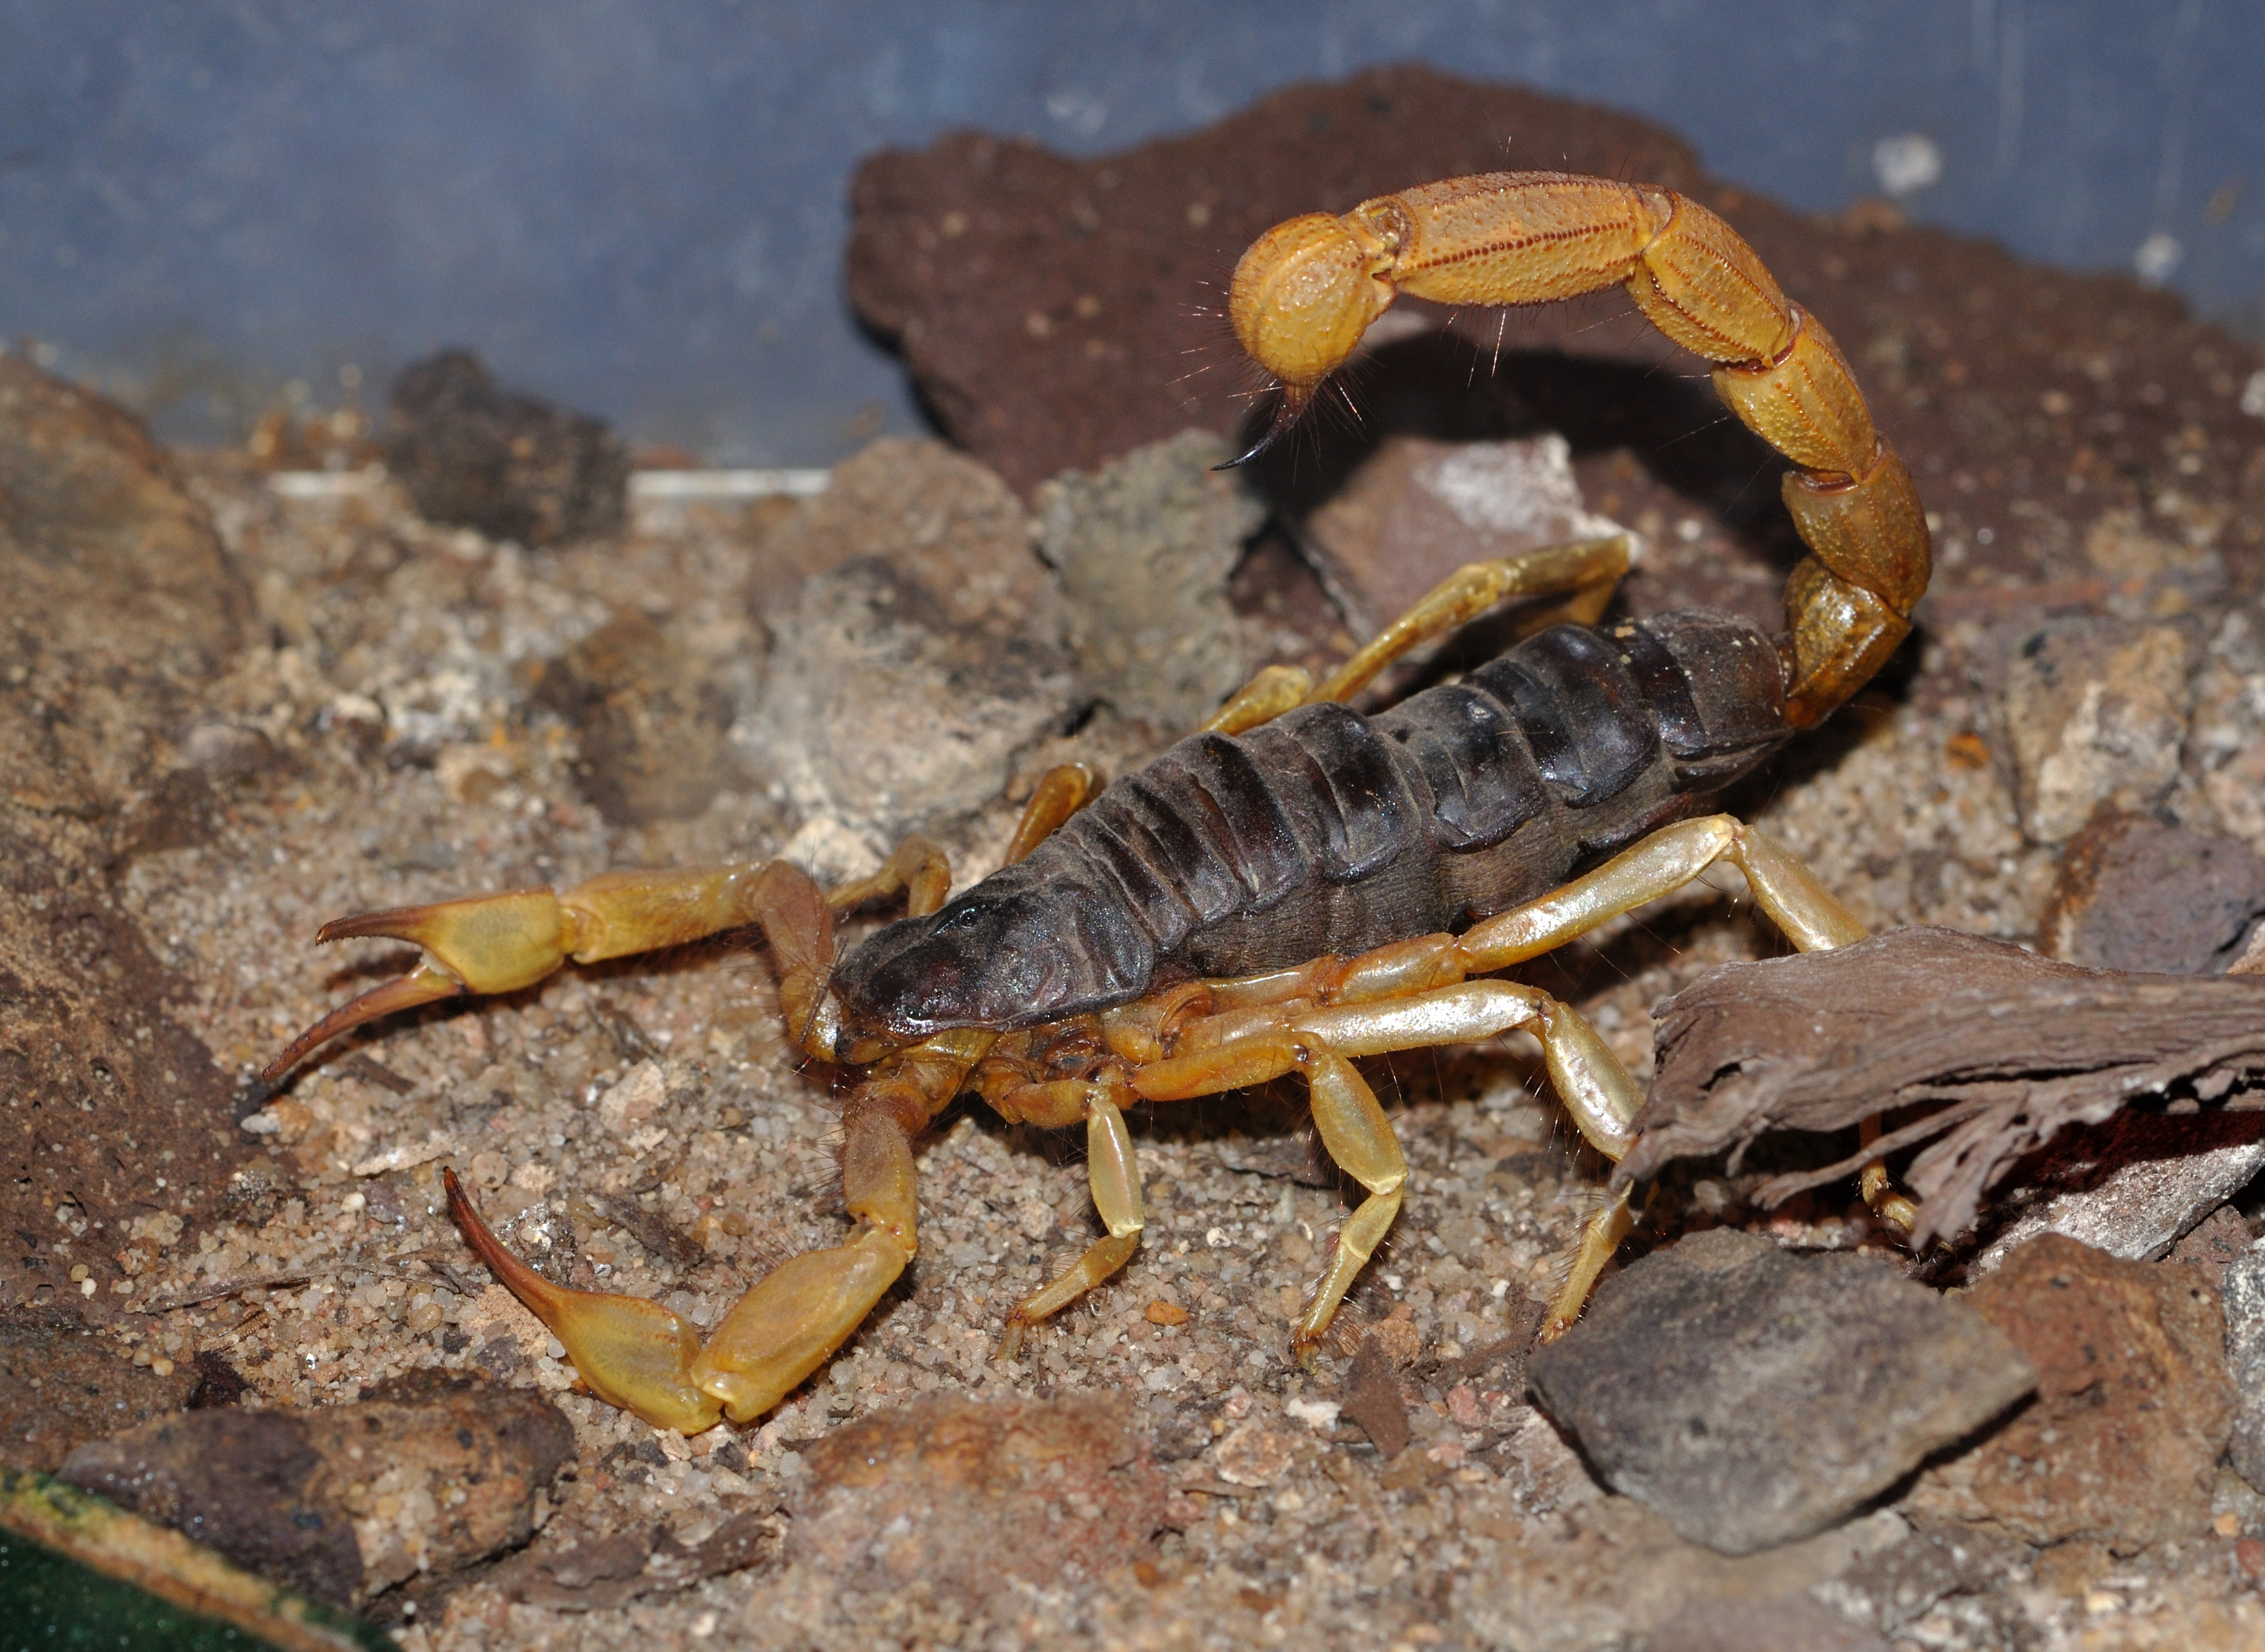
{"x": 637, "y": 205}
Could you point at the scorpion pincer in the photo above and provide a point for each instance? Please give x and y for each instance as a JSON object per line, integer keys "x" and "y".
{"x": 1298, "y": 885}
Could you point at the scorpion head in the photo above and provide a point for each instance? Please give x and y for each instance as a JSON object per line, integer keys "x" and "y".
{"x": 1007, "y": 954}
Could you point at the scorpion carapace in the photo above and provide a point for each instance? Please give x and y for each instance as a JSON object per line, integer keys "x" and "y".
{"x": 1298, "y": 886}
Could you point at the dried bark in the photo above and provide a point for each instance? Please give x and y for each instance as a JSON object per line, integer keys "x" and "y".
{"x": 2003, "y": 1048}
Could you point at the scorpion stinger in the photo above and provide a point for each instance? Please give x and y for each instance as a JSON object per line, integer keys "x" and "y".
{"x": 1298, "y": 885}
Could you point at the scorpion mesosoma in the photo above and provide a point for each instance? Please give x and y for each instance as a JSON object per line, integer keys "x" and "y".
{"x": 1298, "y": 885}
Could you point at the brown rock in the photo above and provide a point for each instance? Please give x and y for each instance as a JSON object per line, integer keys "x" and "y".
{"x": 121, "y": 608}
{"x": 61, "y": 1386}
{"x": 2097, "y": 710}
{"x": 579, "y": 1569}
{"x": 477, "y": 455}
{"x": 427, "y": 1475}
{"x": 2137, "y": 893}
{"x": 1417, "y": 509}
{"x": 2133, "y": 1404}
{"x": 1373, "y": 1399}
{"x": 2214, "y": 1243}
{"x": 1756, "y": 1396}
{"x": 653, "y": 723}
{"x": 965, "y": 1495}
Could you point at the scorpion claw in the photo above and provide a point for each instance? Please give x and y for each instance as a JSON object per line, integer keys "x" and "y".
{"x": 628, "y": 1351}
{"x": 423, "y": 984}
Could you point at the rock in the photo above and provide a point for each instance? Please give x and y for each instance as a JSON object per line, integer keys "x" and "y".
{"x": 653, "y": 723}
{"x": 1417, "y": 509}
{"x": 2130, "y": 1186}
{"x": 584, "y": 1571}
{"x": 476, "y": 455}
{"x": 879, "y": 711}
{"x": 915, "y": 654}
{"x": 2134, "y": 892}
{"x": 2243, "y": 1300}
{"x": 2097, "y": 710}
{"x": 2133, "y": 1404}
{"x": 121, "y": 610}
{"x": 1754, "y": 1396}
{"x": 970, "y": 1496}
{"x": 61, "y": 1386}
{"x": 2181, "y": 1626}
{"x": 1373, "y": 1399}
{"x": 2214, "y": 1244}
{"x": 1792, "y": 1623}
{"x": 943, "y": 521}
{"x": 1144, "y": 548}
{"x": 429, "y": 1474}
{"x": 1890, "y": 1584}
{"x": 1254, "y": 1455}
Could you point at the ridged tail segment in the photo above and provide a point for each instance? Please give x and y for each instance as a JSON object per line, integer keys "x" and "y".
{"x": 1325, "y": 831}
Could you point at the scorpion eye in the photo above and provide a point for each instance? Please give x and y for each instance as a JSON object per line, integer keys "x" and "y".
{"x": 966, "y": 915}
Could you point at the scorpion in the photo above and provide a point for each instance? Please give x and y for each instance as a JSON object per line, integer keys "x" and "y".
{"x": 1298, "y": 884}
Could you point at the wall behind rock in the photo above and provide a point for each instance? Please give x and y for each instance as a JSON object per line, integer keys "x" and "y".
{"x": 638, "y": 207}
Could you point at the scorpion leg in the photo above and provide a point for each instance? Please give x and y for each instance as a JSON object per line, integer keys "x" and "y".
{"x": 1800, "y": 906}
{"x": 500, "y": 944}
{"x": 1115, "y": 1177}
{"x": 920, "y": 871}
{"x": 1662, "y": 864}
{"x": 1358, "y": 1136}
{"x": 1061, "y": 791}
{"x": 1585, "y": 570}
{"x": 1596, "y": 1088}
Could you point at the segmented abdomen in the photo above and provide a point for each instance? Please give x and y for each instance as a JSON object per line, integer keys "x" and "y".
{"x": 1327, "y": 832}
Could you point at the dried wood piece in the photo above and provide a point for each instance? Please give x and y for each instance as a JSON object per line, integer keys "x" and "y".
{"x": 2007, "y": 1047}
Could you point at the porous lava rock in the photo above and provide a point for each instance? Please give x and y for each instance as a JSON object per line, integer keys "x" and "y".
{"x": 1144, "y": 550}
{"x": 474, "y": 455}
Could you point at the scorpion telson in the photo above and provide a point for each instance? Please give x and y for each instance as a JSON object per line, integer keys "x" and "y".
{"x": 1298, "y": 885}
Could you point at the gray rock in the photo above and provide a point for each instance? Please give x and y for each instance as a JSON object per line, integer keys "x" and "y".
{"x": 2098, "y": 712}
{"x": 1791, "y": 1623}
{"x": 2243, "y": 1295}
{"x": 2168, "y": 1172}
{"x": 1754, "y": 1395}
{"x": 881, "y": 716}
{"x": 1144, "y": 548}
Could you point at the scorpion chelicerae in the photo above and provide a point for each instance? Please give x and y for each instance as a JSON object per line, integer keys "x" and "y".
{"x": 1298, "y": 885}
